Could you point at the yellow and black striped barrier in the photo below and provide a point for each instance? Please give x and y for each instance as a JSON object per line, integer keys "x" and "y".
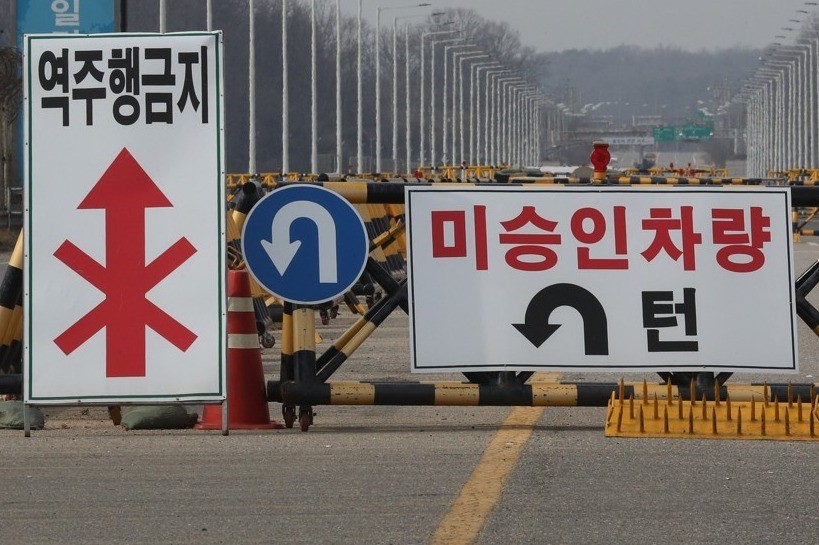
{"x": 804, "y": 285}
{"x": 11, "y": 311}
{"x": 392, "y": 192}
{"x": 515, "y": 393}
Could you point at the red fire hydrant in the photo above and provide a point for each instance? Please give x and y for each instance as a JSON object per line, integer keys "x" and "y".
{"x": 600, "y": 158}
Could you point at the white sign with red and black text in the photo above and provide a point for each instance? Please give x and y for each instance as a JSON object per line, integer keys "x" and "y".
{"x": 589, "y": 278}
{"x": 124, "y": 223}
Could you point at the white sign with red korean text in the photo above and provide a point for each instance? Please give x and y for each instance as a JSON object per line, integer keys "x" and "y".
{"x": 589, "y": 278}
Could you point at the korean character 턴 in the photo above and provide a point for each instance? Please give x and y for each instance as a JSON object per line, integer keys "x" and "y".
{"x": 740, "y": 237}
{"x": 455, "y": 244}
{"x": 530, "y": 244}
{"x": 52, "y": 72}
{"x": 662, "y": 222}
{"x": 595, "y": 219}
{"x": 660, "y": 311}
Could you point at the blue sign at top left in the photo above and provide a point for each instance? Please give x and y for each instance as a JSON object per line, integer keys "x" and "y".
{"x": 305, "y": 244}
{"x": 64, "y": 17}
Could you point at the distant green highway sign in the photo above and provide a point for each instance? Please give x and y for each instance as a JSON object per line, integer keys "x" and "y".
{"x": 665, "y": 134}
{"x": 689, "y": 131}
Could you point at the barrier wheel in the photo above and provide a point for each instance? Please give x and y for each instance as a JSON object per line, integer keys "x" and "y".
{"x": 325, "y": 318}
{"x": 334, "y": 311}
{"x": 305, "y": 420}
{"x": 267, "y": 340}
{"x": 289, "y": 415}
{"x": 305, "y": 417}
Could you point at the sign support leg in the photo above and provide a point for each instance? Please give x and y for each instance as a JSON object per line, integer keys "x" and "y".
{"x": 26, "y": 421}
{"x": 225, "y": 425}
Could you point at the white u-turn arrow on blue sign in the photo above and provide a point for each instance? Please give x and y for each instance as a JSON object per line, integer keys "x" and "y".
{"x": 305, "y": 244}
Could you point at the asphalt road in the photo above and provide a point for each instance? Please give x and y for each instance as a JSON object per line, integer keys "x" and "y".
{"x": 380, "y": 475}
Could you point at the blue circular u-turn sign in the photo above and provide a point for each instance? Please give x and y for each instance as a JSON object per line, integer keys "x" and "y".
{"x": 305, "y": 244}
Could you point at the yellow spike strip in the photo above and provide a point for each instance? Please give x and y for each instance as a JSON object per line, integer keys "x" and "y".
{"x": 693, "y": 392}
{"x": 610, "y": 411}
{"x": 799, "y": 407}
{"x": 668, "y": 392}
{"x": 739, "y": 420}
{"x": 790, "y": 395}
{"x": 765, "y": 393}
{"x": 715, "y": 422}
{"x": 716, "y": 393}
{"x": 631, "y": 407}
{"x": 645, "y": 391}
{"x": 776, "y": 409}
{"x": 753, "y": 409}
{"x": 622, "y": 391}
{"x": 656, "y": 406}
{"x": 787, "y": 422}
{"x": 680, "y": 410}
{"x": 704, "y": 407}
{"x": 812, "y": 394}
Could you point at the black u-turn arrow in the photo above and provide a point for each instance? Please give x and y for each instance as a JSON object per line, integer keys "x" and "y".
{"x": 595, "y": 325}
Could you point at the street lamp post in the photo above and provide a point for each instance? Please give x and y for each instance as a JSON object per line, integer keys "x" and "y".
{"x": 285, "y": 96}
{"x": 422, "y": 116}
{"x": 489, "y": 113}
{"x": 313, "y": 91}
{"x": 456, "y": 111}
{"x": 499, "y": 119}
{"x": 379, "y": 9}
{"x": 461, "y": 98}
{"x": 395, "y": 85}
{"x": 432, "y": 147}
{"x": 339, "y": 150}
{"x": 359, "y": 136}
{"x": 475, "y": 108}
{"x": 407, "y": 109}
{"x": 444, "y": 116}
{"x": 251, "y": 91}
{"x": 472, "y": 66}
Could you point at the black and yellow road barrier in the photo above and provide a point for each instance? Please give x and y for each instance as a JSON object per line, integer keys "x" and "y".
{"x": 11, "y": 316}
{"x": 804, "y": 285}
{"x": 11, "y": 384}
{"x": 12, "y": 361}
{"x": 392, "y": 192}
{"x": 286, "y": 371}
{"x": 343, "y": 348}
{"x": 355, "y": 306}
{"x": 516, "y": 393}
{"x": 763, "y": 416}
{"x": 248, "y": 195}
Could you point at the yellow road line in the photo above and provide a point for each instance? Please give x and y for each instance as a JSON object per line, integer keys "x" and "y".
{"x": 480, "y": 494}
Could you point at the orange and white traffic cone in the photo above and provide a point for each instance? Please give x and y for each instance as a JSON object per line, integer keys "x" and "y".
{"x": 247, "y": 397}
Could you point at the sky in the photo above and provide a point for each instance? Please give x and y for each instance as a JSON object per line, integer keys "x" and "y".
{"x": 556, "y": 25}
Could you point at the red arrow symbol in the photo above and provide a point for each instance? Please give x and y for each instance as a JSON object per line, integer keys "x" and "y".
{"x": 125, "y": 191}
